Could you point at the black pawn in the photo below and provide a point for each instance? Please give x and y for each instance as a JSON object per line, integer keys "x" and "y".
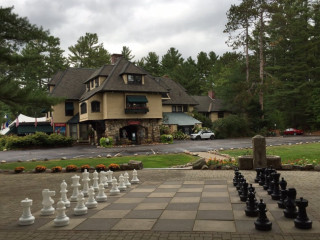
{"x": 244, "y": 192}
{"x": 236, "y": 177}
{"x": 241, "y": 186}
{"x": 275, "y": 195}
{"x": 283, "y": 193}
{"x": 252, "y": 205}
{"x": 302, "y": 221}
{"x": 291, "y": 209}
{"x": 257, "y": 179}
{"x": 262, "y": 223}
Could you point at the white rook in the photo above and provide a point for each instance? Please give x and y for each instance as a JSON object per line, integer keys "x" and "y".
{"x": 26, "y": 218}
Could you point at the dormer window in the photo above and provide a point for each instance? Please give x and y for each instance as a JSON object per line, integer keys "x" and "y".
{"x": 88, "y": 87}
{"x": 134, "y": 79}
{"x": 96, "y": 82}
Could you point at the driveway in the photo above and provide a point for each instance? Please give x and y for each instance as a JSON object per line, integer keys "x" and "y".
{"x": 177, "y": 147}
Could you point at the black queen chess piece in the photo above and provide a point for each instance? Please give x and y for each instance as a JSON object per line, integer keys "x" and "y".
{"x": 291, "y": 210}
{"x": 302, "y": 221}
{"x": 283, "y": 193}
{"x": 252, "y": 204}
{"x": 262, "y": 223}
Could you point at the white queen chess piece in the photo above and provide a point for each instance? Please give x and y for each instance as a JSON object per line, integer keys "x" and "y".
{"x": 75, "y": 185}
{"x": 91, "y": 203}
{"x": 63, "y": 191}
{"x": 135, "y": 179}
{"x": 101, "y": 197}
{"x": 114, "y": 190}
{"x": 95, "y": 184}
{"x": 61, "y": 218}
{"x": 85, "y": 180}
{"x": 122, "y": 187}
{"x": 80, "y": 208}
{"x": 47, "y": 202}
{"x": 126, "y": 180}
{"x": 26, "y": 218}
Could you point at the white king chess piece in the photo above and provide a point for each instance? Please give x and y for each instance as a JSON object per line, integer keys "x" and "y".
{"x": 114, "y": 190}
{"x": 75, "y": 185}
{"x": 26, "y": 218}
{"x": 80, "y": 208}
{"x": 63, "y": 192}
{"x": 91, "y": 203}
{"x": 47, "y": 202}
{"x": 135, "y": 179}
{"x": 61, "y": 218}
{"x": 85, "y": 180}
{"x": 122, "y": 187}
{"x": 126, "y": 180}
{"x": 101, "y": 197}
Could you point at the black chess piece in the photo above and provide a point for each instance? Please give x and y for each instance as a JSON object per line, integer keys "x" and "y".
{"x": 283, "y": 193}
{"x": 291, "y": 210}
{"x": 257, "y": 179}
{"x": 240, "y": 177}
{"x": 251, "y": 188}
{"x": 252, "y": 204}
{"x": 262, "y": 223}
{"x": 244, "y": 192}
{"x": 267, "y": 178}
{"x": 271, "y": 183}
{"x": 302, "y": 221}
{"x": 236, "y": 176}
{"x": 275, "y": 195}
{"x": 262, "y": 177}
{"x": 241, "y": 186}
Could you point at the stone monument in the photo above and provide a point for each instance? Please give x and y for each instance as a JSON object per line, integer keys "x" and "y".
{"x": 259, "y": 151}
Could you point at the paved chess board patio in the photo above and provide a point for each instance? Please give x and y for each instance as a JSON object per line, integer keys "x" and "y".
{"x": 179, "y": 206}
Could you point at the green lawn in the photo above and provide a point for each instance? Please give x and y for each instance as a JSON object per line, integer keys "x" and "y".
{"x": 295, "y": 154}
{"x": 152, "y": 161}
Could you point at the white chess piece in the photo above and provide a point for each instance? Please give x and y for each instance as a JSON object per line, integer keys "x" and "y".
{"x": 75, "y": 185}
{"x": 114, "y": 190}
{"x": 95, "y": 184}
{"x": 85, "y": 180}
{"x": 122, "y": 187}
{"x": 61, "y": 218}
{"x": 26, "y": 218}
{"x": 47, "y": 202}
{"x": 103, "y": 179}
{"x": 101, "y": 197}
{"x": 126, "y": 180}
{"x": 135, "y": 179}
{"x": 109, "y": 176}
{"x": 91, "y": 203}
{"x": 80, "y": 208}
{"x": 63, "y": 192}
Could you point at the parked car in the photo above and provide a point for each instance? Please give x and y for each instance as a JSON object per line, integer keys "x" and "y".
{"x": 292, "y": 131}
{"x": 203, "y": 134}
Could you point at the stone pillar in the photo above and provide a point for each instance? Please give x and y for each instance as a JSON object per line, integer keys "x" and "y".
{"x": 259, "y": 152}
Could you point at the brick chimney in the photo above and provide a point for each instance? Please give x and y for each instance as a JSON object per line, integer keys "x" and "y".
{"x": 115, "y": 57}
{"x": 211, "y": 94}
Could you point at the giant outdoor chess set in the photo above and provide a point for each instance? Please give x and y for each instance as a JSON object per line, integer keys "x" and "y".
{"x": 103, "y": 203}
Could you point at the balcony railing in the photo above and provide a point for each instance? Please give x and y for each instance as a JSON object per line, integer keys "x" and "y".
{"x": 136, "y": 110}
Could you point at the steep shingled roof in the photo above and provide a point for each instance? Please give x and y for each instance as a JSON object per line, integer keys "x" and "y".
{"x": 53, "y": 81}
{"x": 177, "y": 93}
{"x": 115, "y": 83}
{"x": 207, "y": 104}
{"x": 70, "y": 84}
{"x": 103, "y": 71}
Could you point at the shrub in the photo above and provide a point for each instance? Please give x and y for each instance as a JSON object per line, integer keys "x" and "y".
{"x": 83, "y": 167}
{"x": 164, "y": 129}
{"x": 19, "y": 169}
{"x": 71, "y": 168}
{"x": 179, "y": 135}
{"x": 166, "y": 138}
{"x": 106, "y": 142}
{"x": 56, "y": 169}
{"x": 101, "y": 167}
{"x": 40, "y": 169}
{"x": 114, "y": 167}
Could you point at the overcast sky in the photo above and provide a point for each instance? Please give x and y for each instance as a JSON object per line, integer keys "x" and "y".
{"x": 144, "y": 26}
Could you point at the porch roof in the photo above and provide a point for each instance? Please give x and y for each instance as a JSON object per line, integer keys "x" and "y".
{"x": 180, "y": 119}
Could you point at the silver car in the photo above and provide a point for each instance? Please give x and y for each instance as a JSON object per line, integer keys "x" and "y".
{"x": 203, "y": 134}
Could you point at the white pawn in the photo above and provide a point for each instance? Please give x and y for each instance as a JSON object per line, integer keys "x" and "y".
{"x": 85, "y": 180}
{"x": 114, "y": 190}
{"x": 101, "y": 197}
{"x": 61, "y": 218}
{"x": 80, "y": 208}
{"x": 135, "y": 179}
{"x": 103, "y": 179}
{"x": 109, "y": 176}
{"x": 26, "y": 218}
{"x": 63, "y": 192}
{"x": 91, "y": 203}
{"x": 95, "y": 184}
{"x": 75, "y": 185}
{"x": 47, "y": 202}
{"x": 122, "y": 187}
{"x": 126, "y": 180}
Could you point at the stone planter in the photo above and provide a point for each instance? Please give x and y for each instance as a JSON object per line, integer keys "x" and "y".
{"x": 245, "y": 162}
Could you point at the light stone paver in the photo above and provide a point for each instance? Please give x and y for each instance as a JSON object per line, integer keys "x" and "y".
{"x": 111, "y": 214}
{"x": 215, "y": 206}
{"x": 214, "y": 225}
{"x": 135, "y": 224}
{"x": 171, "y": 214}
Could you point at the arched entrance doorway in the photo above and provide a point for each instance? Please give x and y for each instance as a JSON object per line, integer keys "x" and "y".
{"x": 134, "y": 133}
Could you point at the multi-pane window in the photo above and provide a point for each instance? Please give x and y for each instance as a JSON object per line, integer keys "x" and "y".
{"x": 83, "y": 108}
{"x": 96, "y": 82}
{"x": 95, "y": 106}
{"x": 134, "y": 79}
{"x": 69, "y": 108}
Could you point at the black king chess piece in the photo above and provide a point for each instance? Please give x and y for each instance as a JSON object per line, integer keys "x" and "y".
{"x": 283, "y": 193}
{"x": 252, "y": 204}
{"x": 257, "y": 179}
{"x": 262, "y": 223}
{"x": 302, "y": 221}
{"x": 275, "y": 195}
{"x": 291, "y": 209}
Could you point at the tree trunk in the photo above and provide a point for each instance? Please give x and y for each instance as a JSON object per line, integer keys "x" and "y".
{"x": 261, "y": 61}
{"x": 247, "y": 52}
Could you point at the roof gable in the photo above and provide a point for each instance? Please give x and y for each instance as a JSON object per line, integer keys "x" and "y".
{"x": 207, "y": 104}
